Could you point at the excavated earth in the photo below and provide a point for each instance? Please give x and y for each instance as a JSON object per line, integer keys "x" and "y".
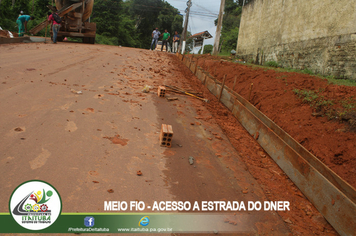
{"x": 332, "y": 141}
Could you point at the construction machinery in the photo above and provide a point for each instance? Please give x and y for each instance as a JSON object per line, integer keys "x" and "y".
{"x": 75, "y": 23}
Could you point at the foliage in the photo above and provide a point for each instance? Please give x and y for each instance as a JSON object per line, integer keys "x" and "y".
{"x": 9, "y": 12}
{"x": 272, "y": 64}
{"x": 99, "y": 39}
{"x": 207, "y": 49}
{"x": 119, "y": 22}
{"x": 149, "y": 14}
{"x": 345, "y": 82}
{"x": 317, "y": 101}
{"x": 112, "y": 23}
{"x": 231, "y": 24}
{"x": 343, "y": 110}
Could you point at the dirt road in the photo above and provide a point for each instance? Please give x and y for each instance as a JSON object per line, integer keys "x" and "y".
{"x": 74, "y": 115}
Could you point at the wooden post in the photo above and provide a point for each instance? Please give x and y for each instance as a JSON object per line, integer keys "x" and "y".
{"x": 222, "y": 87}
{"x": 250, "y": 91}
{"x": 185, "y": 29}
{"x": 46, "y": 31}
{"x": 196, "y": 66}
{"x": 83, "y": 6}
{"x": 218, "y": 28}
{"x": 233, "y": 87}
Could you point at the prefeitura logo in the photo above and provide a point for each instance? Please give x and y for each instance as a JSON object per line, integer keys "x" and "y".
{"x": 35, "y": 205}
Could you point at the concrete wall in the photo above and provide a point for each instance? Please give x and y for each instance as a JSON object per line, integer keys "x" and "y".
{"x": 319, "y": 35}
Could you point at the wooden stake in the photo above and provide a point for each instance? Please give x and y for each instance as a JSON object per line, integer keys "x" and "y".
{"x": 46, "y": 31}
{"x": 233, "y": 87}
{"x": 222, "y": 87}
{"x": 196, "y": 66}
{"x": 250, "y": 91}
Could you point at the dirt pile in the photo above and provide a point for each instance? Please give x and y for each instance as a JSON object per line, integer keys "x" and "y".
{"x": 321, "y": 119}
{"x": 275, "y": 97}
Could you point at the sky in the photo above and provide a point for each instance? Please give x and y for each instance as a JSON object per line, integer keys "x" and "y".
{"x": 202, "y": 15}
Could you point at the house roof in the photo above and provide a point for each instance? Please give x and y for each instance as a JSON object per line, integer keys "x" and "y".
{"x": 200, "y": 35}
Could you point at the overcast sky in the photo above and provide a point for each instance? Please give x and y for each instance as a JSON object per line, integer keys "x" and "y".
{"x": 201, "y": 17}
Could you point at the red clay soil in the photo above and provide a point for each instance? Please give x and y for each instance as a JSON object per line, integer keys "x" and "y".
{"x": 272, "y": 94}
{"x": 328, "y": 140}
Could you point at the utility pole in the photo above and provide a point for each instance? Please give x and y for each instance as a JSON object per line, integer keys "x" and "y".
{"x": 184, "y": 34}
{"x": 218, "y": 28}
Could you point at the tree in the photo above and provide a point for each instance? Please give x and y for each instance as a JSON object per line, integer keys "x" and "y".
{"x": 207, "y": 49}
{"x": 231, "y": 24}
{"x": 9, "y": 12}
{"x": 150, "y": 14}
{"x": 113, "y": 23}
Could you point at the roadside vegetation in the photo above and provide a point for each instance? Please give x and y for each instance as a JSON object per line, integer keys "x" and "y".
{"x": 341, "y": 110}
{"x": 128, "y": 23}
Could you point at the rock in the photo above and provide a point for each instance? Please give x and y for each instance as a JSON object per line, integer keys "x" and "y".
{"x": 139, "y": 173}
{"x": 110, "y": 190}
{"x": 288, "y": 221}
{"x": 191, "y": 160}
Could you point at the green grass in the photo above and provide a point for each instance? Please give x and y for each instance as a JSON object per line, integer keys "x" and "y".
{"x": 349, "y": 104}
{"x": 224, "y": 54}
{"x": 272, "y": 64}
{"x": 345, "y": 82}
{"x": 329, "y": 108}
{"x": 315, "y": 99}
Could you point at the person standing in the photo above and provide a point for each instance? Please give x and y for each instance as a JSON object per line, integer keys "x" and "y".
{"x": 22, "y": 23}
{"x": 155, "y": 36}
{"x": 165, "y": 38}
{"x": 175, "y": 41}
{"x": 55, "y": 25}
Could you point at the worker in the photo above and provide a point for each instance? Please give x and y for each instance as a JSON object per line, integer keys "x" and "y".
{"x": 22, "y": 23}
{"x": 55, "y": 25}
{"x": 175, "y": 41}
{"x": 165, "y": 39}
{"x": 155, "y": 36}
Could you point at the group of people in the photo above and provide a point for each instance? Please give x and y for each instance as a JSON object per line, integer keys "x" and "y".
{"x": 22, "y": 21}
{"x": 165, "y": 37}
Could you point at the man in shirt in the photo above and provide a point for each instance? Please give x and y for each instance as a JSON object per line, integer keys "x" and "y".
{"x": 22, "y": 23}
{"x": 55, "y": 26}
{"x": 155, "y": 36}
{"x": 165, "y": 38}
{"x": 175, "y": 41}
